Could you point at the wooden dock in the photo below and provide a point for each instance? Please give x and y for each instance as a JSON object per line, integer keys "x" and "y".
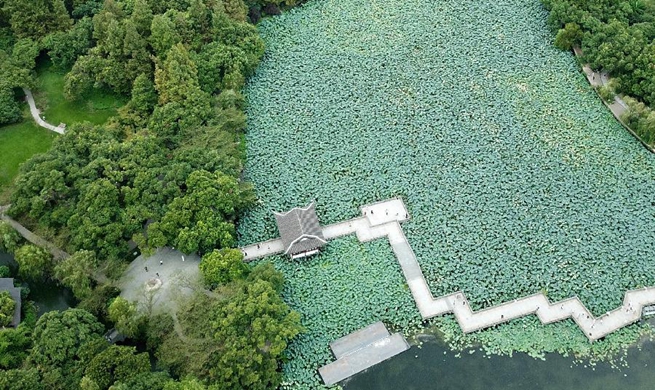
{"x": 360, "y": 350}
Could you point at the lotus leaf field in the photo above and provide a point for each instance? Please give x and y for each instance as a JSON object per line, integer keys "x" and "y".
{"x": 517, "y": 177}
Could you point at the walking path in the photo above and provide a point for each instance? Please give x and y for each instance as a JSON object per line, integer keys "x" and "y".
{"x": 57, "y": 253}
{"x": 36, "y": 114}
{"x": 383, "y": 220}
{"x": 618, "y": 107}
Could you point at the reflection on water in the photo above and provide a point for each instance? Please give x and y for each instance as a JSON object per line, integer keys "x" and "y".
{"x": 435, "y": 367}
{"x": 47, "y": 296}
{"x": 50, "y": 296}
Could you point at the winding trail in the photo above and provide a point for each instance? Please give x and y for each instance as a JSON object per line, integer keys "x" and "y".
{"x": 383, "y": 219}
{"x": 36, "y": 114}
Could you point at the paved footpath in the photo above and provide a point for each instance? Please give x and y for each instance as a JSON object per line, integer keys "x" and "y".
{"x": 57, "y": 253}
{"x": 618, "y": 107}
{"x": 383, "y": 219}
{"x": 36, "y": 114}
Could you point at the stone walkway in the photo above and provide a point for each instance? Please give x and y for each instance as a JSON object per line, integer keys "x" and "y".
{"x": 618, "y": 107}
{"x": 383, "y": 220}
{"x": 57, "y": 253}
{"x": 36, "y": 114}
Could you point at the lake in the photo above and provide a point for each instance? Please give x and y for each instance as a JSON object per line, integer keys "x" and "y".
{"x": 434, "y": 366}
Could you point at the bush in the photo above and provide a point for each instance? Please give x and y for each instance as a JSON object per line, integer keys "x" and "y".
{"x": 5, "y": 272}
{"x": 7, "y": 307}
{"x": 9, "y": 238}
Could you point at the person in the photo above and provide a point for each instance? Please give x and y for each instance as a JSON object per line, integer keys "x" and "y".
{"x": 182, "y": 257}
{"x": 157, "y": 274}
{"x": 146, "y": 268}
{"x": 161, "y": 262}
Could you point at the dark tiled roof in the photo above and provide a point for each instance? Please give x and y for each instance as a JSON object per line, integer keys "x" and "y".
{"x": 300, "y": 230}
{"x": 7, "y": 284}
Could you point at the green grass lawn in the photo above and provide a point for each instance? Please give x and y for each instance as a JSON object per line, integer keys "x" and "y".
{"x": 19, "y": 142}
{"x": 96, "y": 108}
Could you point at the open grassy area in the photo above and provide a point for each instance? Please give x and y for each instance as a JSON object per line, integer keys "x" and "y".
{"x": 19, "y": 142}
{"x": 517, "y": 177}
{"x": 96, "y": 107}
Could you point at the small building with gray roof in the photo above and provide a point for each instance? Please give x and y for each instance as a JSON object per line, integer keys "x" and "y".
{"x": 300, "y": 231}
{"x": 7, "y": 284}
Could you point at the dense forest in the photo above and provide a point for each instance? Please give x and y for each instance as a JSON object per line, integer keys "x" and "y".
{"x": 617, "y": 37}
{"x": 163, "y": 172}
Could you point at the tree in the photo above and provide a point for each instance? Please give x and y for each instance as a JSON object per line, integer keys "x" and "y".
{"x": 116, "y": 363}
{"x": 27, "y": 379}
{"x": 7, "y": 306}
{"x": 88, "y": 384}
{"x": 201, "y": 220}
{"x": 76, "y": 273}
{"x": 83, "y": 75}
{"x": 9, "y": 238}
{"x": 144, "y": 381}
{"x": 135, "y": 114}
{"x": 257, "y": 325}
{"x": 9, "y": 108}
{"x": 64, "y": 47}
{"x": 569, "y": 36}
{"x": 238, "y": 338}
{"x": 34, "y": 262}
{"x": 142, "y": 17}
{"x": 97, "y": 222}
{"x": 163, "y": 35}
{"x": 125, "y": 317}
{"x": 223, "y": 266}
{"x": 97, "y": 303}
{"x": 177, "y": 79}
{"x": 36, "y": 18}
{"x": 13, "y": 347}
{"x": 15, "y": 343}
{"x": 64, "y": 343}
{"x": 188, "y": 383}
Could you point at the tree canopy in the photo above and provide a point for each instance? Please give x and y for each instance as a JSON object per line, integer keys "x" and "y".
{"x": 64, "y": 343}
{"x": 34, "y": 262}
{"x": 223, "y": 266}
{"x": 234, "y": 340}
{"x": 76, "y": 273}
{"x": 616, "y": 36}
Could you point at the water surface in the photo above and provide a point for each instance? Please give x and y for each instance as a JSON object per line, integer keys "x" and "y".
{"x": 435, "y": 367}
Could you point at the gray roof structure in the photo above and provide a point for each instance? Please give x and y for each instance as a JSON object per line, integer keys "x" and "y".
{"x": 300, "y": 230}
{"x": 7, "y": 284}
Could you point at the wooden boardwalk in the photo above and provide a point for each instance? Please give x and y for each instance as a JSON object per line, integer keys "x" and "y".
{"x": 383, "y": 220}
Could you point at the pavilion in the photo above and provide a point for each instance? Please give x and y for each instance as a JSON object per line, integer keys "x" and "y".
{"x": 300, "y": 231}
